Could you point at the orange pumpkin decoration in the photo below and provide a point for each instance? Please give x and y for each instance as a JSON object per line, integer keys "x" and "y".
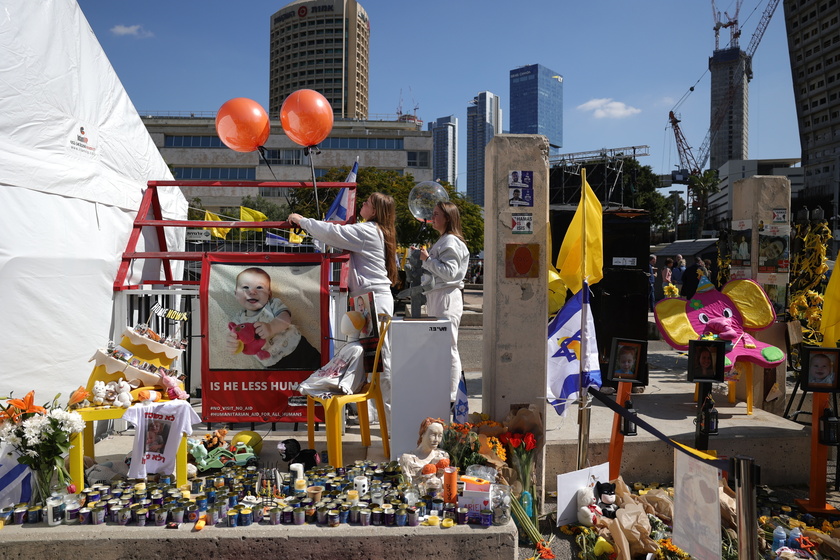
{"x": 443, "y": 463}
{"x": 428, "y": 468}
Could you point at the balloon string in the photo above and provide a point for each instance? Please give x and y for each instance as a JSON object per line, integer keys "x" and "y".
{"x": 262, "y": 151}
{"x": 309, "y": 151}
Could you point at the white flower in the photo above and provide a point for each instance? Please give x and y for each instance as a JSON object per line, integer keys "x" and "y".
{"x": 69, "y": 421}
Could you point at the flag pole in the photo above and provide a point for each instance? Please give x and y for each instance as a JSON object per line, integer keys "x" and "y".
{"x": 583, "y": 402}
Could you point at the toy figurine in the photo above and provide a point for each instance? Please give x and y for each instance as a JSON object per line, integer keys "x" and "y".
{"x": 427, "y": 452}
{"x": 606, "y": 498}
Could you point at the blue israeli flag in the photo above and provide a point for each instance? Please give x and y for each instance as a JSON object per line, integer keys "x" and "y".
{"x": 462, "y": 405}
{"x": 338, "y": 209}
{"x": 572, "y": 352}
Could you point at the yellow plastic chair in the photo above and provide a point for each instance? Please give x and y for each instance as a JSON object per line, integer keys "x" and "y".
{"x": 334, "y": 407}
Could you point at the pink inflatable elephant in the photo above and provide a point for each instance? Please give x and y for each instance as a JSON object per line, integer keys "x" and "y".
{"x": 731, "y": 315}
{"x": 249, "y": 342}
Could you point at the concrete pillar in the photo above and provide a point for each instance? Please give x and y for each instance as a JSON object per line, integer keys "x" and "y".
{"x": 516, "y": 237}
{"x": 762, "y": 205}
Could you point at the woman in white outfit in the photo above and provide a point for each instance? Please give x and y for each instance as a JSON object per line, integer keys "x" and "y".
{"x": 373, "y": 265}
{"x": 446, "y": 262}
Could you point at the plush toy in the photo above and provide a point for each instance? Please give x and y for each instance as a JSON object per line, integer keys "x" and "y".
{"x": 172, "y": 387}
{"x": 588, "y": 510}
{"x": 606, "y": 498}
{"x": 249, "y": 342}
{"x": 291, "y": 452}
{"x": 216, "y": 439}
{"x": 730, "y": 315}
{"x": 99, "y": 392}
{"x": 197, "y": 448}
{"x": 123, "y": 394}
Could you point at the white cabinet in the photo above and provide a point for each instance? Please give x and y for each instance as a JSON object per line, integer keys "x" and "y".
{"x": 420, "y": 378}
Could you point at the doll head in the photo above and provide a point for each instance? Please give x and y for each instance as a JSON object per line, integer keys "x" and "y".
{"x": 352, "y": 324}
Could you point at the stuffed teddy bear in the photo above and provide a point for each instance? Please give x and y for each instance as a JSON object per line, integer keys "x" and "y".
{"x": 172, "y": 387}
{"x": 606, "y": 498}
{"x": 588, "y": 510}
{"x": 216, "y": 439}
{"x": 99, "y": 391}
{"x": 249, "y": 342}
{"x": 123, "y": 394}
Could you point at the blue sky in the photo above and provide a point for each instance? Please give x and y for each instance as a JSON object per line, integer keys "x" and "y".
{"x": 625, "y": 64}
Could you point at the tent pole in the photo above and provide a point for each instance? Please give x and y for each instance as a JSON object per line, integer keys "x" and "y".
{"x": 583, "y": 403}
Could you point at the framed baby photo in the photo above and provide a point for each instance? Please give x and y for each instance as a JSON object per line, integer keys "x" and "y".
{"x": 628, "y": 361}
{"x": 706, "y": 360}
{"x": 819, "y": 369}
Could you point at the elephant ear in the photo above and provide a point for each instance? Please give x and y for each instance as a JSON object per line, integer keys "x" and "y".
{"x": 673, "y": 322}
{"x": 755, "y": 307}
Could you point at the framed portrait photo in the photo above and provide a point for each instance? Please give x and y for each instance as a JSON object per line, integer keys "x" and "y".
{"x": 628, "y": 361}
{"x": 706, "y": 359}
{"x": 819, "y": 369}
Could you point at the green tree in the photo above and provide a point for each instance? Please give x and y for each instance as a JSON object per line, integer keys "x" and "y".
{"x": 410, "y": 231}
{"x": 703, "y": 185}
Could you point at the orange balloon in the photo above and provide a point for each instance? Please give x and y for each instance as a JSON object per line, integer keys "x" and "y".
{"x": 242, "y": 124}
{"x": 307, "y": 117}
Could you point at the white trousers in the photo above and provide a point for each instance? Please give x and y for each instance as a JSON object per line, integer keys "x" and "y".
{"x": 449, "y": 304}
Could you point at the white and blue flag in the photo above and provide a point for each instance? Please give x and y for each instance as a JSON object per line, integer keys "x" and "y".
{"x": 572, "y": 352}
{"x": 462, "y": 406}
{"x": 338, "y": 209}
{"x": 15, "y": 478}
{"x": 274, "y": 240}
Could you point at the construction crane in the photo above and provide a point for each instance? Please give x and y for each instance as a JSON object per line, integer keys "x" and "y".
{"x": 689, "y": 164}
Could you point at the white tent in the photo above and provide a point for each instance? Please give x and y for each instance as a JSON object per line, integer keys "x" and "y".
{"x": 74, "y": 162}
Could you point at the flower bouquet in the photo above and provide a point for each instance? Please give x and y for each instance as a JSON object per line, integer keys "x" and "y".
{"x": 41, "y": 435}
{"x": 463, "y": 446}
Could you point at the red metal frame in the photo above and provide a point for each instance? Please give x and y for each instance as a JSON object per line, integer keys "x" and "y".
{"x": 150, "y": 215}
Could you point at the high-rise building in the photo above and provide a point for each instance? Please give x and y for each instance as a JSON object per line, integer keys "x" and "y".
{"x": 813, "y": 30}
{"x": 321, "y": 45}
{"x": 536, "y": 103}
{"x": 484, "y": 121}
{"x": 729, "y": 124}
{"x": 445, "y": 149}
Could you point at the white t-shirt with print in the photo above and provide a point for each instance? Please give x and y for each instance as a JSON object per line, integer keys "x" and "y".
{"x": 158, "y": 430}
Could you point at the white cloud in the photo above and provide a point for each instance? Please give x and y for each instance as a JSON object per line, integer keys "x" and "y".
{"x": 606, "y": 108}
{"x": 131, "y": 30}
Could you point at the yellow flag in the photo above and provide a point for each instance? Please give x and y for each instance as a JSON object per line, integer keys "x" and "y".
{"x": 215, "y": 231}
{"x": 295, "y": 238}
{"x": 830, "y": 322}
{"x": 251, "y": 215}
{"x": 582, "y": 252}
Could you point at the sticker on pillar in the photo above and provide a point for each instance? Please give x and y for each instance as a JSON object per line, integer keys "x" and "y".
{"x": 742, "y": 241}
{"x": 520, "y": 188}
{"x": 774, "y": 248}
{"x": 780, "y": 215}
{"x": 522, "y": 260}
{"x": 522, "y": 223}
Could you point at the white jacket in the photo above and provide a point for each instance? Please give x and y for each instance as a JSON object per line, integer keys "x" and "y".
{"x": 367, "y": 252}
{"x": 447, "y": 264}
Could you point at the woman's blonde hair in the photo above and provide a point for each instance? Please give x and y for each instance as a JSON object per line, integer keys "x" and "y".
{"x": 453, "y": 219}
{"x": 385, "y": 216}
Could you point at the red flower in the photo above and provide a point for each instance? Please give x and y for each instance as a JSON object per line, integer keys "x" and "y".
{"x": 530, "y": 441}
{"x": 504, "y": 438}
{"x": 515, "y": 440}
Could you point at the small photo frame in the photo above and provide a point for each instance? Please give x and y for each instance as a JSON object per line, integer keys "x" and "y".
{"x": 135, "y": 362}
{"x": 819, "y": 369}
{"x": 706, "y": 360}
{"x": 365, "y": 304}
{"x": 628, "y": 361}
